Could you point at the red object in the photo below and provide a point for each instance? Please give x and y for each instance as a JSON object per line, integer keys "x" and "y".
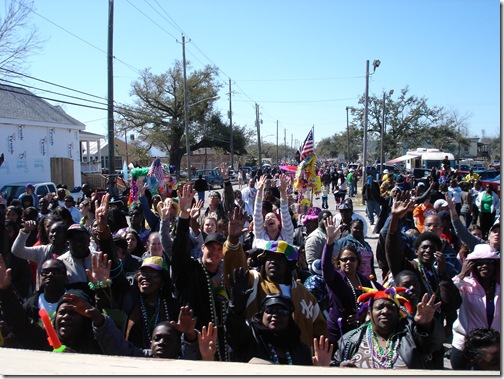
{"x": 52, "y": 337}
{"x": 308, "y": 145}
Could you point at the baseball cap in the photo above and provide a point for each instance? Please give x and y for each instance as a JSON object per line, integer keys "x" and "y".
{"x": 344, "y": 206}
{"x": 278, "y": 299}
{"x": 385, "y": 171}
{"x": 439, "y": 203}
{"x": 215, "y": 237}
{"x": 72, "y": 229}
{"x": 29, "y": 186}
{"x": 280, "y": 247}
{"x": 157, "y": 263}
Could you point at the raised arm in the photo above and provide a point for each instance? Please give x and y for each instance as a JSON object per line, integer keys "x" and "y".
{"x": 287, "y": 226}
{"x": 258, "y": 217}
{"x": 395, "y": 256}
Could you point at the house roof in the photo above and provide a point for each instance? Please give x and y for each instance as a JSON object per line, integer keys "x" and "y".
{"x": 20, "y": 104}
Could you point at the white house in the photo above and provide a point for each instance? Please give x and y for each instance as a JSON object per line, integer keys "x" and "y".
{"x": 39, "y": 141}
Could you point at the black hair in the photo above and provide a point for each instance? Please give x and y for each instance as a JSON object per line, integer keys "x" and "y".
{"x": 64, "y": 214}
{"x": 477, "y": 340}
{"x": 401, "y": 274}
{"x": 349, "y": 248}
{"x": 30, "y": 213}
{"x": 430, "y": 237}
{"x": 267, "y": 206}
{"x": 140, "y": 248}
{"x": 356, "y": 221}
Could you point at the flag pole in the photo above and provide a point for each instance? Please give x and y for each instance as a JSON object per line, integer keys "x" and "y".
{"x": 311, "y": 189}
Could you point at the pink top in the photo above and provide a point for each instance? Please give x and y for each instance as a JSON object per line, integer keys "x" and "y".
{"x": 472, "y": 313}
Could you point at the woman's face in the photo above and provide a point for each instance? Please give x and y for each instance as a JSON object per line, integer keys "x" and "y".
{"x": 275, "y": 318}
{"x": 84, "y": 208}
{"x": 57, "y": 233}
{"x": 384, "y": 315}
{"x": 485, "y": 268}
{"x": 155, "y": 247}
{"x": 132, "y": 242}
{"x": 149, "y": 281}
{"x": 209, "y": 226}
{"x": 348, "y": 262}
{"x": 271, "y": 223}
{"x": 11, "y": 215}
{"x": 356, "y": 230}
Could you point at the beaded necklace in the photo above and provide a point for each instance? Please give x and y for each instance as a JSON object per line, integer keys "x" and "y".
{"x": 353, "y": 290}
{"x": 274, "y": 356}
{"x": 214, "y": 317}
{"x": 426, "y": 281}
{"x": 382, "y": 358}
{"x": 149, "y": 324}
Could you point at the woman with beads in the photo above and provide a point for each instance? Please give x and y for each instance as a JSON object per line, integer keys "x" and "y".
{"x": 480, "y": 291}
{"x": 343, "y": 284}
{"x": 271, "y": 334}
{"x": 356, "y": 239}
{"x": 155, "y": 301}
{"x": 388, "y": 339}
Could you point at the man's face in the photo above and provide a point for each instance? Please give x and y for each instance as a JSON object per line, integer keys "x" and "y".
{"x": 251, "y": 183}
{"x": 212, "y": 255}
{"x": 68, "y": 203}
{"x": 346, "y": 216}
{"x": 275, "y": 266}
{"x": 68, "y": 324}
{"x": 410, "y": 282}
{"x": 79, "y": 245}
{"x": 425, "y": 252}
{"x": 494, "y": 237}
{"x": 53, "y": 274}
{"x": 433, "y": 224}
{"x": 165, "y": 342}
{"x": 136, "y": 218}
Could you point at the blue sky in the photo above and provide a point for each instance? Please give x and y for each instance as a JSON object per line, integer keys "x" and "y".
{"x": 303, "y": 62}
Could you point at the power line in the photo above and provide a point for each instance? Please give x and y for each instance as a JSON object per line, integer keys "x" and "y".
{"x": 154, "y": 22}
{"x": 300, "y": 79}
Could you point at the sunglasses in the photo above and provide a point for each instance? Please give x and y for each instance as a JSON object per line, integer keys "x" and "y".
{"x": 46, "y": 272}
{"x": 348, "y": 259}
{"x": 272, "y": 310}
{"x": 481, "y": 262}
{"x": 149, "y": 274}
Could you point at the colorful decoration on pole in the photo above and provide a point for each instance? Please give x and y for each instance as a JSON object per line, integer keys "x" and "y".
{"x": 306, "y": 178}
{"x": 159, "y": 178}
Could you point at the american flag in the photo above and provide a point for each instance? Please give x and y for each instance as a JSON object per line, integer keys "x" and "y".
{"x": 307, "y": 147}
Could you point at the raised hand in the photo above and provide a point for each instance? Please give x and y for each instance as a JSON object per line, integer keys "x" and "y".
{"x": 207, "y": 342}
{"x": 402, "y": 205}
{"x": 101, "y": 211}
{"x": 185, "y": 200}
{"x": 185, "y": 323}
{"x": 78, "y": 305}
{"x": 466, "y": 269}
{"x": 141, "y": 186}
{"x": 196, "y": 210}
{"x": 426, "y": 309}
{"x": 224, "y": 170}
{"x": 237, "y": 219}
{"x": 29, "y": 225}
{"x": 239, "y": 282}
{"x": 322, "y": 351}
{"x": 260, "y": 183}
{"x": 331, "y": 230}
{"x": 100, "y": 268}
{"x": 5, "y": 275}
{"x": 284, "y": 183}
{"x": 441, "y": 263}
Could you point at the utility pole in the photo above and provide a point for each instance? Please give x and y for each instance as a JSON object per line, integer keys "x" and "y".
{"x": 347, "y": 136}
{"x": 364, "y": 153}
{"x": 110, "y": 100}
{"x": 231, "y": 127}
{"x": 258, "y": 126}
{"x": 277, "y": 145}
{"x": 186, "y": 128}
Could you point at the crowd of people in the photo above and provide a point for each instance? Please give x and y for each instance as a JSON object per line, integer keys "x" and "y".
{"x": 261, "y": 274}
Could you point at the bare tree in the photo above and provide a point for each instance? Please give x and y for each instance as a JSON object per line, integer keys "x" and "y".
{"x": 18, "y": 38}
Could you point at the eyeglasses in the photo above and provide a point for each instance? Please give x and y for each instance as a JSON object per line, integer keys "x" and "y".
{"x": 348, "y": 259}
{"x": 481, "y": 262}
{"x": 272, "y": 310}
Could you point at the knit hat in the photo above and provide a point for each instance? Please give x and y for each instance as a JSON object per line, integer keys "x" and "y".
{"x": 312, "y": 214}
{"x": 157, "y": 263}
{"x": 280, "y": 247}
